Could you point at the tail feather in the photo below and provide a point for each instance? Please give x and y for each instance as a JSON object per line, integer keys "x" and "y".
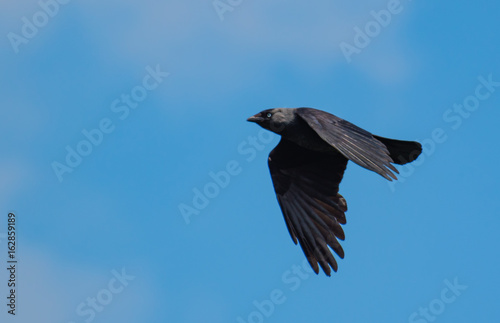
{"x": 401, "y": 151}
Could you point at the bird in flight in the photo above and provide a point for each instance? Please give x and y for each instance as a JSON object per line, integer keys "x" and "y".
{"x": 307, "y": 167}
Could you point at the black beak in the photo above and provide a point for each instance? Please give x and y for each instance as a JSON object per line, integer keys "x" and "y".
{"x": 256, "y": 118}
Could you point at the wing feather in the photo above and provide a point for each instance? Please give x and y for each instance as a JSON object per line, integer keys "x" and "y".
{"x": 354, "y": 143}
{"x": 306, "y": 184}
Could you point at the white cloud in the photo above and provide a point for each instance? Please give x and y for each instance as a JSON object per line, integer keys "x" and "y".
{"x": 40, "y": 290}
{"x": 162, "y": 30}
{"x": 15, "y": 175}
{"x": 50, "y": 290}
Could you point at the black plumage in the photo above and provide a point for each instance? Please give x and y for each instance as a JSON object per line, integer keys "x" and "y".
{"x": 307, "y": 167}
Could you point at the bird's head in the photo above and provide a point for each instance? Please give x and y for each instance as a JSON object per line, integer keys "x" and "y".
{"x": 274, "y": 120}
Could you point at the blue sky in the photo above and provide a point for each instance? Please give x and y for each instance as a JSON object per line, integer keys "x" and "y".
{"x": 163, "y": 88}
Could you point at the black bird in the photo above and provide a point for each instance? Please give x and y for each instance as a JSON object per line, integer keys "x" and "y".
{"x": 307, "y": 166}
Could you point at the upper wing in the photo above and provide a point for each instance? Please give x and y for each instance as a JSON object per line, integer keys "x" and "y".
{"x": 353, "y": 142}
{"x": 306, "y": 185}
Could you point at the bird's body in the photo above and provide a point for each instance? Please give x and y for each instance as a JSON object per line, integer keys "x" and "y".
{"x": 307, "y": 166}
{"x": 304, "y": 136}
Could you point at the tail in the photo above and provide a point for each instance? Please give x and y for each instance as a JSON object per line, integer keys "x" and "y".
{"x": 401, "y": 151}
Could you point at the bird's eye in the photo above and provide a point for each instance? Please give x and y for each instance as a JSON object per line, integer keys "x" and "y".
{"x": 269, "y": 115}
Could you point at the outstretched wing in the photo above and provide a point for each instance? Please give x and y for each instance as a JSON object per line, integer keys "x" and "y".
{"x": 306, "y": 184}
{"x": 353, "y": 142}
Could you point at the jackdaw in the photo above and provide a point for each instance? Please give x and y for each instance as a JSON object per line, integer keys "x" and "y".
{"x": 307, "y": 166}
